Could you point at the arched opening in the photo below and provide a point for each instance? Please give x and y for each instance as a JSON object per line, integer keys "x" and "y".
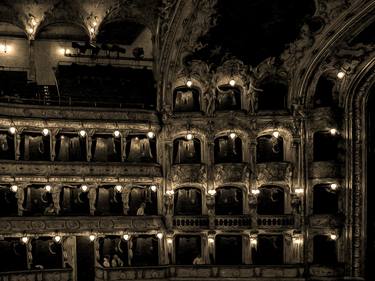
{"x": 186, "y": 99}
{"x": 70, "y": 147}
{"x": 325, "y": 199}
{"x": 145, "y": 250}
{"x": 188, "y": 201}
{"x": 142, "y": 201}
{"x": 63, "y": 31}
{"x": 228, "y": 249}
{"x": 228, "y": 150}
{"x": 270, "y": 149}
{"x": 269, "y": 250}
{"x": 271, "y": 200}
{"x": 113, "y": 251}
{"x": 228, "y": 98}
{"x": 186, "y": 151}
{"x": 188, "y": 249}
{"x": 140, "y": 149}
{"x": 13, "y": 255}
{"x": 229, "y": 201}
{"x": 324, "y": 92}
{"x": 273, "y": 96}
{"x": 7, "y": 148}
{"x": 324, "y": 250}
{"x": 47, "y": 254}
{"x": 326, "y": 146}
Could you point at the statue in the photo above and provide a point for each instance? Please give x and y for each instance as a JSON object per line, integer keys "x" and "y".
{"x": 20, "y": 195}
{"x": 250, "y": 92}
{"x": 56, "y": 198}
{"x": 210, "y": 97}
{"x": 125, "y": 198}
{"x": 92, "y": 199}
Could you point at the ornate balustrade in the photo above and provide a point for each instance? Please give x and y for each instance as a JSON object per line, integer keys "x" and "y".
{"x": 275, "y": 221}
{"x": 38, "y": 275}
{"x": 37, "y": 225}
{"x": 190, "y": 222}
{"x": 232, "y": 222}
{"x": 189, "y": 272}
{"x": 71, "y": 170}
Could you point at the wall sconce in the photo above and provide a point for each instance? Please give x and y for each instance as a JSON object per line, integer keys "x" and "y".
{"x": 25, "y": 239}
{"x": 116, "y": 133}
{"x": 212, "y": 192}
{"x": 189, "y": 136}
{"x": 12, "y": 130}
{"x": 159, "y": 235}
{"x": 333, "y": 236}
{"x": 126, "y": 237}
{"x": 255, "y": 191}
{"x": 118, "y": 187}
{"x": 45, "y": 132}
{"x": 57, "y": 238}
{"x": 340, "y": 74}
{"x": 333, "y": 186}
{"x": 82, "y": 133}
{"x": 333, "y": 132}
{"x": 189, "y": 83}
{"x": 211, "y": 240}
{"x": 153, "y": 188}
{"x": 92, "y": 237}
{"x": 150, "y": 135}
{"x": 169, "y": 241}
{"x": 84, "y": 187}
{"x": 14, "y": 188}
{"x": 232, "y": 135}
{"x": 276, "y": 134}
{"x": 253, "y": 241}
{"x": 48, "y": 188}
{"x": 232, "y": 82}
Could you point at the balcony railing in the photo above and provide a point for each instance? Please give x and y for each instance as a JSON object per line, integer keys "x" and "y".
{"x": 277, "y": 221}
{"x": 199, "y": 272}
{"x": 38, "y": 275}
{"x": 187, "y": 222}
{"x": 233, "y": 222}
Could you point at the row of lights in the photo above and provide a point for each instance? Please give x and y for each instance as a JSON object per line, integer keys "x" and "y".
{"x": 82, "y": 133}
{"x": 189, "y": 83}
{"x": 84, "y": 188}
{"x": 298, "y": 191}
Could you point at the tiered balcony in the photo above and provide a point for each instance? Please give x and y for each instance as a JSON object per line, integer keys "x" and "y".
{"x": 38, "y": 275}
{"x": 275, "y": 221}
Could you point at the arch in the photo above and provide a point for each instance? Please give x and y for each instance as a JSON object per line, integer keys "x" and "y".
{"x": 228, "y": 149}
{"x": 270, "y": 149}
{"x": 111, "y": 246}
{"x": 188, "y": 201}
{"x": 11, "y": 28}
{"x": 229, "y": 200}
{"x": 68, "y": 30}
{"x": 271, "y": 200}
{"x": 274, "y": 94}
{"x": 269, "y": 250}
{"x": 187, "y": 99}
{"x": 187, "y": 151}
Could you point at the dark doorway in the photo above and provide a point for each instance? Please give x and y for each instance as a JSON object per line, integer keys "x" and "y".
{"x": 85, "y": 258}
{"x": 228, "y": 249}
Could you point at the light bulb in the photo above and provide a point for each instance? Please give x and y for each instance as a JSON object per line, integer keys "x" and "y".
{"x": 211, "y": 240}
{"x": 255, "y": 191}
{"x": 159, "y": 235}
{"x": 14, "y": 188}
{"x": 45, "y": 132}
{"x": 126, "y": 237}
{"x": 25, "y": 239}
{"x": 232, "y": 136}
{"x": 253, "y": 241}
{"x": 57, "y": 238}
{"x": 169, "y": 240}
{"x": 189, "y": 136}
{"x": 297, "y": 240}
{"x": 116, "y": 133}
{"x": 276, "y": 134}
{"x": 232, "y": 82}
{"x": 12, "y": 130}
{"x": 118, "y": 188}
{"x": 212, "y": 192}
{"x": 189, "y": 83}
{"x": 82, "y": 133}
{"x": 333, "y": 236}
{"x": 94, "y": 23}
{"x": 92, "y": 30}
{"x": 170, "y": 192}
{"x": 67, "y": 51}
{"x": 92, "y": 237}
{"x": 150, "y": 135}
{"x": 298, "y": 190}
{"x": 333, "y": 186}
{"x": 84, "y": 187}
{"x": 48, "y": 188}
{"x": 333, "y": 132}
{"x": 153, "y": 188}
{"x": 341, "y": 74}
{"x": 30, "y": 30}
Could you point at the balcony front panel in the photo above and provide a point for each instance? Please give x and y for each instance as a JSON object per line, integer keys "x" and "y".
{"x": 276, "y": 172}
{"x": 326, "y": 221}
{"x": 325, "y": 169}
{"x": 79, "y": 224}
{"x": 190, "y": 222}
{"x": 231, "y": 173}
{"x": 188, "y": 173}
{"x": 38, "y": 275}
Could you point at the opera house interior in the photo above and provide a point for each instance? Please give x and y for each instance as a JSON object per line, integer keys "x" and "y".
{"x": 187, "y": 140}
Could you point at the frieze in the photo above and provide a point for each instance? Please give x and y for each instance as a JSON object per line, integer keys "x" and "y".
{"x": 35, "y": 225}
{"x": 36, "y": 275}
{"x": 188, "y": 173}
{"x": 274, "y": 172}
{"x": 232, "y": 173}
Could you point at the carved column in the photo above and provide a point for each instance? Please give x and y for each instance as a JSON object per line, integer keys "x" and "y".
{"x": 54, "y": 133}
{"x": 123, "y": 145}
{"x": 89, "y": 136}
{"x": 246, "y": 249}
{"x": 168, "y": 204}
{"x": 125, "y": 192}
{"x": 56, "y": 190}
{"x": 205, "y": 253}
{"x": 20, "y": 195}
{"x": 252, "y": 154}
{"x": 17, "y": 141}
{"x": 210, "y": 202}
{"x": 92, "y": 198}
{"x": 296, "y": 163}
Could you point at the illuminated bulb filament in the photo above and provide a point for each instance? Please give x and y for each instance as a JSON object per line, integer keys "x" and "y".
{"x": 118, "y": 188}
{"x": 334, "y": 186}
{"x": 150, "y": 135}
{"x": 333, "y": 132}
{"x": 82, "y": 133}
{"x": 25, "y": 239}
{"x": 48, "y": 188}
{"x": 153, "y": 188}
{"x": 45, "y": 132}
{"x": 189, "y": 83}
{"x": 14, "y": 188}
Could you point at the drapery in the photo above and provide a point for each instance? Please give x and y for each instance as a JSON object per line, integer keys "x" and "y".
{"x": 139, "y": 149}
{"x": 34, "y": 147}
{"x": 184, "y": 100}
{"x": 104, "y": 149}
{"x": 186, "y": 151}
